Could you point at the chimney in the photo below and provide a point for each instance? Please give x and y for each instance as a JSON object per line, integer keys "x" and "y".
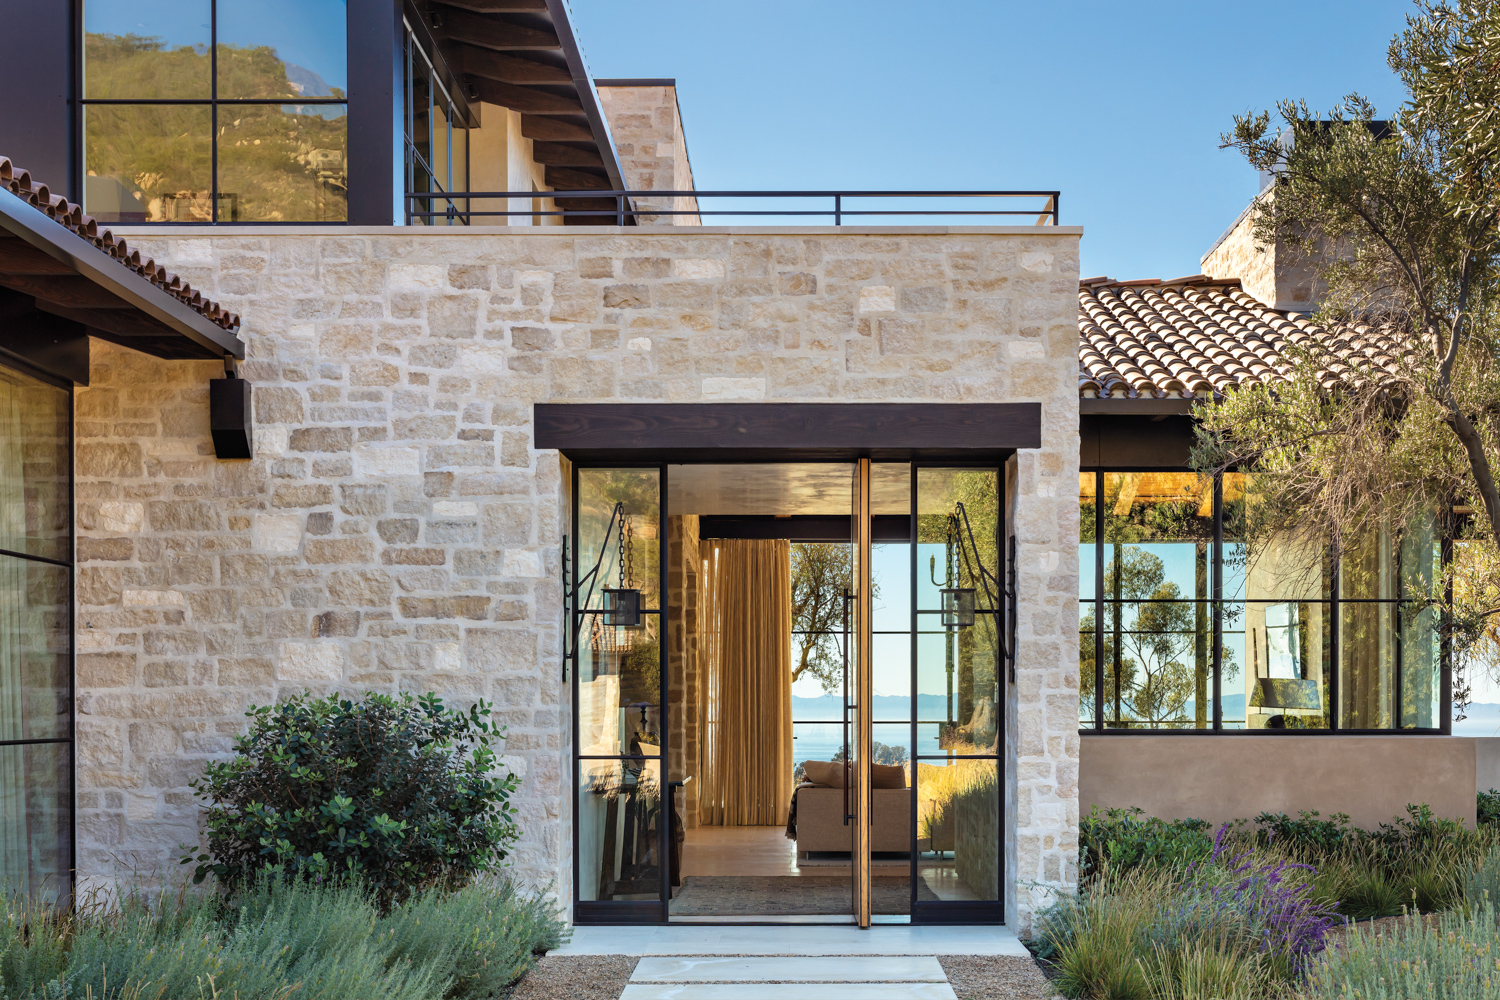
{"x": 1271, "y": 273}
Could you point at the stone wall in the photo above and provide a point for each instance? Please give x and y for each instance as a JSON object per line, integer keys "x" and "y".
{"x": 1267, "y": 272}
{"x": 646, "y": 124}
{"x": 398, "y": 530}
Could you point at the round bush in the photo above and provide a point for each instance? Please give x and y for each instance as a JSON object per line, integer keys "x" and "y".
{"x": 399, "y": 791}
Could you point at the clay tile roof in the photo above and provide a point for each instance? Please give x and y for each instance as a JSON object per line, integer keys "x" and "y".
{"x": 70, "y": 216}
{"x": 1199, "y": 337}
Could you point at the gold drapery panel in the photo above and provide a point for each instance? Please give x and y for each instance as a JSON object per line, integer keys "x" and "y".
{"x": 746, "y": 695}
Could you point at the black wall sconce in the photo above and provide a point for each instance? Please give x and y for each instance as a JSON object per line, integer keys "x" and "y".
{"x": 229, "y": 415}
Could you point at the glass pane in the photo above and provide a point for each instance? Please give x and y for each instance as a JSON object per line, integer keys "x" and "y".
{"x": 1282, "y": 568}
{"x": 958, "y": 516}
{"x": 146, "y": 51}
{"x": 283, "y": 48}
{"x": 441, "y": 142}
{"x": 1087, "y": 550}
{"x": 35, "y": 461}
{"x": 619, "y": 816}
{"x": 890, "y": 577}
{"x": 1421, "y": 676}
{"x": 958, "y": 829}
{"x": 1367, "y": 567}
{"x": 891, "y": 664}
{"x": 1158, "y": 667}
{"x": 619, "y": 524}
{"x": 1158, "y": 532}
{"x": 34, "y": 650}
{"x": 420, "y": 108}
{"x": 283, "y": 163}
{"x": 1087, "y": 653}
{"x": 1367, "y": 665}
{"x": 619, "y": 688}
{"x": 1277, "y": 665}
{"x": 35, "y": 820}
{"x": 958, "y": 684}
{"x": 148, "y": 163}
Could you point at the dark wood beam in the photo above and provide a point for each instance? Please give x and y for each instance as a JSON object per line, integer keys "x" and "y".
{"x": 500, "y": 6}
{"x": 569, "y": 179}
{"x": 19, "y": 257}
{"x": 120, "y": 322}
{"x": 554, "y": 154}
{"x": 720, "y": 431}
{"x": 526, "y": 100}
{"x": 556, "y": 129}
{"x": 493, "y": 65}
{"x": 70, "y": 290}
{"x": 489, "y": 31}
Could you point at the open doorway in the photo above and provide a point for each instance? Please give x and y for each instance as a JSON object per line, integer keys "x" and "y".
{"x": 736, "y": 716}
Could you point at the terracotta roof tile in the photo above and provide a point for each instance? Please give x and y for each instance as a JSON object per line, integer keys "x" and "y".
{"x": 1197, "y": 337}
{"x": 70, "y": 216}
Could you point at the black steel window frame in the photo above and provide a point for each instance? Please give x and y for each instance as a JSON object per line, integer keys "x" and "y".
{"x": 1216, "y": 602}
{"x": 71, "y": 806}
{"x": 414, "y": 55}
{"x": 213, "y": 102}
{"x": 961, "y": 911}
{"x": 629, "y": 911}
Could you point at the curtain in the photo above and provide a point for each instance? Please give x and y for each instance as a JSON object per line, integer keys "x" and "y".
{"x": 746, "y": 695}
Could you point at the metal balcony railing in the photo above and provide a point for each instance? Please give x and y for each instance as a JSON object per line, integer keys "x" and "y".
{"x": 622, "y": 208}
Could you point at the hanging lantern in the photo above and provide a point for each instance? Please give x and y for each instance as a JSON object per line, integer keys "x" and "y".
{"x": 958, "y": 607}
{"x": 622, "y": 607}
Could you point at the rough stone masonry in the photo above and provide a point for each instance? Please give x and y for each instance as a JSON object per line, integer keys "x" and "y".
{"x": 398, "y": 530}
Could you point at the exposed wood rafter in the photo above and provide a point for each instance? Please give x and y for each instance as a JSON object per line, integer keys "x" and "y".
{"x": 554, "y": 154}
{"x": 492, "y": 65}
{"x": 489, "y": 32}
{"x": 556, "y": 129}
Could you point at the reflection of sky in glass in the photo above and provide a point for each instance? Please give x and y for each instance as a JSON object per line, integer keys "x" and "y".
{"x": 306, "y": 33}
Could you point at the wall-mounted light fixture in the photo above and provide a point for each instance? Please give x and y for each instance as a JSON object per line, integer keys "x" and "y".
{"x": 229, "y": 419}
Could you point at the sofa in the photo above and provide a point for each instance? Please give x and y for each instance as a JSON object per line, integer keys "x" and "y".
{"x": 820, "y": 820}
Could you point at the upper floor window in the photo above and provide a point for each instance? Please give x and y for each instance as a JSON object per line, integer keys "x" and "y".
{"x": 437, "y": 148}
{"x": 1184, "y": 624}
{"x": 215, "y": 110}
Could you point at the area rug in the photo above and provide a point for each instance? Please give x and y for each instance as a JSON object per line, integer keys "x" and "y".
{"x": 788, "y": 895}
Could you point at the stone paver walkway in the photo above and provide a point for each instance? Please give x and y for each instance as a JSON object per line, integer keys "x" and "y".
{"x": 885, "y": 977}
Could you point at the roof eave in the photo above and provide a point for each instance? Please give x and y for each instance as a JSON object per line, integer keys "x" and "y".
{"x": 588, "y": 96}
{"x": 21, "y": 219}
{"x": 1147, "y": 406}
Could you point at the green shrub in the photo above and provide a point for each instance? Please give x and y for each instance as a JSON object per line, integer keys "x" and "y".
{"x": 1121, "y": 840}
{"x": 396, "y": 791}
{"x": 1306, "y": 833}
{"x": 278, "y": 939}
{"x": 1488, "y": 812}
{"x": 1456, "y": 958}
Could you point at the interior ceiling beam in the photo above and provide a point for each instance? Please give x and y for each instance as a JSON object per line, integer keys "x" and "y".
{"x": 492, "y": 65}
{"x": 500, "y": 6}
{"x": 489, "y": 31}
{"x": 568, "y": 179}
{"x": 524, "y": 99}
{"x": 554, "y": 154}
{"x": 556, "y": 129}
{"x": 65, "y": 290}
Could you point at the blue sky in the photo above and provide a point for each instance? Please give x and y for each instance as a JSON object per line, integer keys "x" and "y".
{"x": 1118, "y": 105}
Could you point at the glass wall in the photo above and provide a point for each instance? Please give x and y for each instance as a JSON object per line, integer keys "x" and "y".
{"x": 1185, "y": 625}
{"x": 36, "y": 680}
{"x": 620, "y": 684}
{"x": 437, "y": 150}
{"x": 215, "y": 111}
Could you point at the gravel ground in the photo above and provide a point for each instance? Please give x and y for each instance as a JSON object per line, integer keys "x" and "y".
{"x": 996, "y": 977}
{"x": 576, "y": 977}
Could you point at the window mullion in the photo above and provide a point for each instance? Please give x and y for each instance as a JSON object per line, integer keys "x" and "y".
{"x": 1218, "y": 602}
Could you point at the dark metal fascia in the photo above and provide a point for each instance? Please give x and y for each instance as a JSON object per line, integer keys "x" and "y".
{"x": 562, "y": 21}
{"x": 1143, "y": 407}
{"x": 30, "y": 224}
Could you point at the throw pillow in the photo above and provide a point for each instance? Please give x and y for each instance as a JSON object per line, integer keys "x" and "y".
{"x": 887, "y": 776}
{"x": 827, "y": 773}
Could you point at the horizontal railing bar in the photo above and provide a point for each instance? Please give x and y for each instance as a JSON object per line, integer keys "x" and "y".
{"x": 758, "y": 212}
{"x": 599, "y": 193}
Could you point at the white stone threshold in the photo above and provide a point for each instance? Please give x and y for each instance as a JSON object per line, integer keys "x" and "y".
{"x": 791, "y": 939}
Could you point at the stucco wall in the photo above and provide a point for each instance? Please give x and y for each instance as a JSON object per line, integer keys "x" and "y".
{"x": 398, "y": 530}
{"x": 1220, "y": 778}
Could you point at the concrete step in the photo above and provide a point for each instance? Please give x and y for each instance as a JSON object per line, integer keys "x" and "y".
{"x": 785, "y": 991}
{"x": 811, "y": 969}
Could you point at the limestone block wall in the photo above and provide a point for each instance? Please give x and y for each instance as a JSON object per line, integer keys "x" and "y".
{"x": 647, "y": 127}
{"x": 1267, "y": 272}
{"x": 398, "y": 530}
